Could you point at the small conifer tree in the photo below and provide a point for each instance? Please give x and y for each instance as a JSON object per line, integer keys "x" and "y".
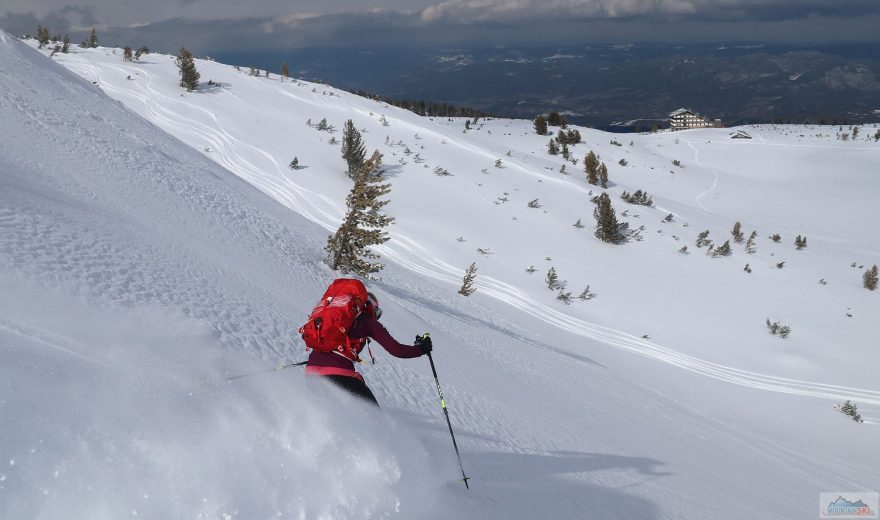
{"x": 737, "y": 232}
{"x": 552, "y": 279}
{"x": 750, "y": 243}
{"x": 285, "y": 72}
{"x": 703, "y": 239}
{"x": 556, "y": 119}
{"x": 65, "y": 47}
{"x": 294, "y": 164}
{"x": 603, "y": 176}
{"x": 364, "y": 226}
{"x": 540, "y": 125}
{"x": 126, "y": 54}
{"x": 800, "y": 242}
{"x": 578, "y": 224}
{"x": 870, "y": 278}
{"x": 607, "y": 228}
{"x": 93, "y": 39}
{"x": 722, "y": 250}
{"x": 353, "y": 150}
{"x": 850, "y": 409}
{"x": 591, "y": 167}
{"x": 564, "y": 296}
{"x": 586, "y": 294}
{"x": 42, "y": 36}
{"x": 189, "y": 77}
{"x": 552, "y": 148}
{"x": 467, "y": 286}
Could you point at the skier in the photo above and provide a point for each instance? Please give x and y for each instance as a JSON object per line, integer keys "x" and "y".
{"x": 337, "y": 364}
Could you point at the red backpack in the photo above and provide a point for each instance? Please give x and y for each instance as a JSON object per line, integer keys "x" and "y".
{"x": 330, "y": 321}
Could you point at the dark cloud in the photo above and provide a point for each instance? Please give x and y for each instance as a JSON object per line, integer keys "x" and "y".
{"x": 476, "y": 22}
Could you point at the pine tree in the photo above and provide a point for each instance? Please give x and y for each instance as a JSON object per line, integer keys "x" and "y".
{"x": 552, "y": 149}
{"x": 353, "y": 150}
{"x": 93, "y": 39}
{"x": 556, "y": 119}
{"x": 800, "y": 242}
{"x": 42, "y": 36}
{"x": 467, "y": 286}
{"x": 607, "y": 228}
{"x": 285, "y": 72}
{"x": 603, "y": 176}
{"x": 750, "y": 243}
{"x": 126, "y": 54}
{"x": 564, "y": 296}
{"x": 578, "y": 224}
{"x": 586, "y": 294}
{"x": 703, "y": 239}
{"x": 722, "y": 250}
{"x": 189, "y": 77}
{"x": 65, "y": 48}
{"x": 541, "y": 125}
{"x": 348, "y": 249}
{"x": 552, "y": 279}
{"x": 565, "y": 152}
{"x": 737, "y": 233}
{"x": 294, "y": 164}
{"x": 870, "y": 278}
{"x": 591, "y": 167}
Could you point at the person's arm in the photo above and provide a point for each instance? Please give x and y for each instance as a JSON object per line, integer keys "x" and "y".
{"x": 378, "y": 332}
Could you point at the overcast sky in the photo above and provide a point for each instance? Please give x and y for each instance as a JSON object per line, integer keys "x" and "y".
{"x": 227, "y": 24}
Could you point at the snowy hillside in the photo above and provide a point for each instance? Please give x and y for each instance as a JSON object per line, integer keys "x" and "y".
{"x": 138, "y": 272}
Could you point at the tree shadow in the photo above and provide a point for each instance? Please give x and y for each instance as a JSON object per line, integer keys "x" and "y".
{"x": 391, "y": 170}
{"x": 460, "y": 316}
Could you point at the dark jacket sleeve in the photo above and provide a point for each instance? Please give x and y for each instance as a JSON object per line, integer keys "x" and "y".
{"x": 378, "y": 332}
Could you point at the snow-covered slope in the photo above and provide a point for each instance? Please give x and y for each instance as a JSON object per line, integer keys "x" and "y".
{"x": 128, "y": 258}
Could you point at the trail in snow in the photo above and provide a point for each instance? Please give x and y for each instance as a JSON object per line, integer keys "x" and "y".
{"x": 441, "y": 271}
{"x": 225, "y": 150}
{"x": 699, "y": 198}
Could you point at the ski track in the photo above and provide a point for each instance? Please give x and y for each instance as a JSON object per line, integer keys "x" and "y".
{"x": 45, "y": 338}
{"x": 327, "y": 215}
{"x": 699, "y": 197}
{"x": 410, "y": 255}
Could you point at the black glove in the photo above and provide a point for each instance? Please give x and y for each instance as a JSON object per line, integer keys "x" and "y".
{"x": 424, "y": 342}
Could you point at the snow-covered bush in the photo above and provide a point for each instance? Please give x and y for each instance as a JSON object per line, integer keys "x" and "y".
{"x": 849, "y": 408}
{"x": 869, "y": 279}
{"x": 777, "y": 329}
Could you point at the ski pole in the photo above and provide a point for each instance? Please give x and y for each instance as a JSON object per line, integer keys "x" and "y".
{"x": 279, "y": 367}
{"x": 464, "y": 477}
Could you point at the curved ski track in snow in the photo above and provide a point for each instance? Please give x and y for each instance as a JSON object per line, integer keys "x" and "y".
{"x": 224, "y": 149}
{"x": 410, "y": 255}
{"x": 439, "y": 270}
{"x": 714, "y": 182}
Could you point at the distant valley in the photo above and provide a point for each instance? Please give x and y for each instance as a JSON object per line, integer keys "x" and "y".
{"x": 611, "y": 85}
